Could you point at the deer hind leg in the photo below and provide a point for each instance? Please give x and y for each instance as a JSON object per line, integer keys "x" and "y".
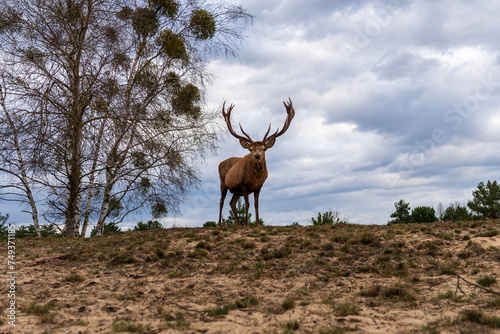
{"x": 233, "y": 202}
{"x": 247, "y": 205}
{"x": 223, "y": 190}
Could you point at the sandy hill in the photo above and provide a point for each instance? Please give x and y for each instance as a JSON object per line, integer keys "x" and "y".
{"x": 432, "y": 278}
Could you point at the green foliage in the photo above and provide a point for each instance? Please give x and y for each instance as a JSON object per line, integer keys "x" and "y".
{"x": 126, "y": 326}
{"x": 159, "y": 210}
{"x": 145, "y": 22}
{"x": 47, "y": 230}
{"x": 457, "y": 213}
{"x": 288, "y": 304}
{"x": 146, "y": 78}
{"x": 172, "y": 46}
{"x": 486, "y": 200}
{"x": 240, "y": 209}
{"x": 150, "y": 225}
{"x": 202, "y": 24}
{"x": 486, "y": 280}
{"x": 323, "y": 219}
{"x": 479, "y": 317}
{"x": 109, "y": 228}
{"x": 167, "y": 8}
{"x": 328, "y": 218}
{"x": 423, "y": 214}
{"x": 346, "y": 309}
{"x": 35, "y": 309}
{"x": 210, "y": 224}
{"x": 402, "y": 213}
{"x": 115, "y": 207}
{"x": 144, "y": 185}
{"x": 488, "y": 234}
{"x": 185, "y": 101}
{"x": 3, "y": 227}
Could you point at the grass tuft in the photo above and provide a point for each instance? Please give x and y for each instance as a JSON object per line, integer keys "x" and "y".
{"x": 486, "y": 281}
{"x": 288, "y": 304}
{"x": 75, "y": 278}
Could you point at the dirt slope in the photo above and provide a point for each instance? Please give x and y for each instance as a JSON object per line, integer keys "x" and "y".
{"x": 433, "y": 278}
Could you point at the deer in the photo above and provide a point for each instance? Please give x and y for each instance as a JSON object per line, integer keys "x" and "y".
{"x": 246, "y": 175}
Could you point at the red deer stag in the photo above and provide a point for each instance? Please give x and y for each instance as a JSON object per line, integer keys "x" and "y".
{"x": 243, "y": 176}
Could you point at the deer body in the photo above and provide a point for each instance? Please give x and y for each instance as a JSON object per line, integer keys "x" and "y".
{"x": 244, "y": 176}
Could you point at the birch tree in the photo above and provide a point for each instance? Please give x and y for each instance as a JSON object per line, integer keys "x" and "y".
{"x": 116, "y": 89}
{"x": 14, "y": 143}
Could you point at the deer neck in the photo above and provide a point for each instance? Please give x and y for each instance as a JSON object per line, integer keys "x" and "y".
{"x": 257, "y": 168}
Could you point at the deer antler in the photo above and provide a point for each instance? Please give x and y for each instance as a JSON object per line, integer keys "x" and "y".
{"x": 290, "y": 114}
{"x": 227, "y": 118}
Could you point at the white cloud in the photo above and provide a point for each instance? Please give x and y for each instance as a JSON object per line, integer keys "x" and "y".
{"x": 393, "y": 100}
{"x": 411, "y": 114}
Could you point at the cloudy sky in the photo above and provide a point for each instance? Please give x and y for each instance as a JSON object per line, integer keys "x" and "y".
{"x": 394, "y": 100}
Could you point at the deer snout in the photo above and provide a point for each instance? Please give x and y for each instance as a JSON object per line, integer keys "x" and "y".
{"x": 257, "y": 156}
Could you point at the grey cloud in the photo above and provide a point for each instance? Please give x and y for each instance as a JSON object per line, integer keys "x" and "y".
{"x": 402, "y": 65}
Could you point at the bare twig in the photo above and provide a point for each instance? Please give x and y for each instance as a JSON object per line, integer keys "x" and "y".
{"x": 186, "y": 308}
{"x": 478, "y": 286}
{"x": 467, "y": 282}
{"x": 458, "y": 286}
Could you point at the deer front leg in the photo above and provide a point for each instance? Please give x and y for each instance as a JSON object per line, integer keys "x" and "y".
{"x": 247, "y": 206}
{"x": 233, "y": 202}
{"x": 223, "y": 190}
{"x": 256, "y": 202}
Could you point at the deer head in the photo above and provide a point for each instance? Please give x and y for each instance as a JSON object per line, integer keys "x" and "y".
{"x": 243, "y": 176}
{"x": 258, "y": 148}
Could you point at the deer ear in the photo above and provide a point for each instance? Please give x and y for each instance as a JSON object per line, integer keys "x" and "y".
{"x": 270, "y": 143}
{"x": 245, "y": 144}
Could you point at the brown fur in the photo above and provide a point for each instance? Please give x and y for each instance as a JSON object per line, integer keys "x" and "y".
{"x": 244, "y": 176}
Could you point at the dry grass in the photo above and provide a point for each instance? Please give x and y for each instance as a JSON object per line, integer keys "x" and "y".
{"x": 349, "y": 278}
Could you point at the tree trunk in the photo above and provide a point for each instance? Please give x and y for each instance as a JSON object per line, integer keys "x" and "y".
{"x": 90, "y": 192}
{"x": 78, "y": 214}
{"x": 23, "y": 177}
{"x": 104, "y": 211}
{"x": 34, "y": 212}
{"x": 74, "y": 179}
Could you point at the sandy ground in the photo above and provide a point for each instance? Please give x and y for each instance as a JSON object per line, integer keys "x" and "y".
{"x": 431, "y": 278}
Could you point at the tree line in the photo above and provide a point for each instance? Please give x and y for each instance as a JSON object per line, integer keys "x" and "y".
{"x": 484, "y": 205}
{"x": 102, "y": 104}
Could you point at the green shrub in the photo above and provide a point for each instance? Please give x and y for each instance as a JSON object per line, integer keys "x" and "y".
{"x": 424, "y": 214}
{"x": 402, "y": 213}
{"x": 3, "y": 227}
{"x": 456, "y": 213}
{"x": 486, "y": 200}
{"x": 488, "y": 234}
{"x": 345, "y": 309}
{"x": 241, "y": 211}
{"x": 47, "y": 230}
{"x": 150, "y": 225}
{"x": 328, "y": 218}
{"x": 210, "y": 224}
{"x": 486, "y": 281}
{"x": 109, "y": 228}
{"x": 288, "y": 304}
